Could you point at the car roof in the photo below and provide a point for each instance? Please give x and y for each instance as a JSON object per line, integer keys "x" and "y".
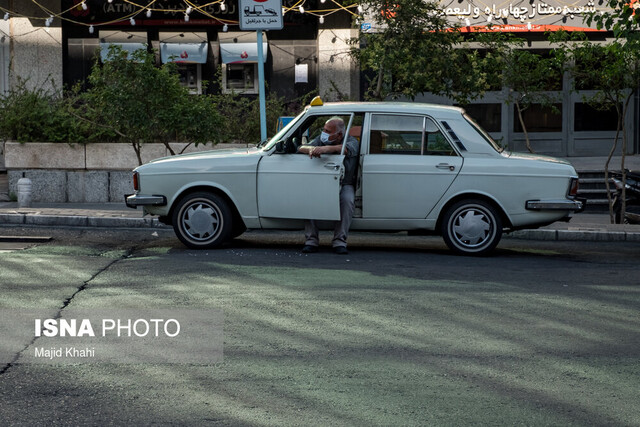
{"x": 440, "y": 111}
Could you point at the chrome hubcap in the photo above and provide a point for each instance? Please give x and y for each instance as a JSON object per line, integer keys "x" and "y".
{"x": 471, "y": 227}
{"x": 201, "y": 221}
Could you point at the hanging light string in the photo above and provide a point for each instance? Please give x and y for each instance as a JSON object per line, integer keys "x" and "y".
{"x": 355, "y": 10}
{"x": 191, "y": 7}
{"x": 64, "y": 18}
{"x": 202, "y": 10}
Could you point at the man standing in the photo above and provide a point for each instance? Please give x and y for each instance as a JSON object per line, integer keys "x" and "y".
{"x": 330, "y": 141}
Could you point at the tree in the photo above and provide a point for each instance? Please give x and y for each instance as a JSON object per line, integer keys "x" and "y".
{"x": 528, "y": 75}
{"x": 613, "y": 71}
{"x": 624, "y": 22}
{"x": 143, "y": 103}
{"x": 414, "y": 49}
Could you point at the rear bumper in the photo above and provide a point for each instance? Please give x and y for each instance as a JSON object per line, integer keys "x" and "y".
{"x": 135, "y": 200}
{"x": 576, "y": 205}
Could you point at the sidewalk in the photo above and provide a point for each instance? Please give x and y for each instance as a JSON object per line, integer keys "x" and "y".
{"x": 583, "y": 226}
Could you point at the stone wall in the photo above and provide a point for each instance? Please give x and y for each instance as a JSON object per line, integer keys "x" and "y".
{"x": 62, "y": 186}
{"x": 91, "y": 173}
{"x": 35, "y": 50}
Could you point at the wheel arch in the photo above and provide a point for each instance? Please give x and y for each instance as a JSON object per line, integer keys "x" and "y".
{"x": 506, "y": 221}
{"x": 236, "y": 217}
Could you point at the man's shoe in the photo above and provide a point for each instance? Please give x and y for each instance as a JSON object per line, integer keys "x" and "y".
{"x": 308, "y": 249}
{"x": 340, "y": 250}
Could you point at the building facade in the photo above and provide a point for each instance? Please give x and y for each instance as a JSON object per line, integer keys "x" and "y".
{"x": 54, "y": 43}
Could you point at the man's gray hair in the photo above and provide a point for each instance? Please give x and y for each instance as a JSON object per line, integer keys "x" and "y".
{"x": 339, "y": 123}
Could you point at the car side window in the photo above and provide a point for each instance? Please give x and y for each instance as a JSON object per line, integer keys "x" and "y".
{"x": 312, "y": 127}
{"x": 398, "y": 134}
{"x": 435, "y": 142}
{"x": 395, "y": 134}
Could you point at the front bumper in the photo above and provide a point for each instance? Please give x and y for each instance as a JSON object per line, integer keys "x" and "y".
{"x": 135, "y": 200}
{"x": 576, "y": 205}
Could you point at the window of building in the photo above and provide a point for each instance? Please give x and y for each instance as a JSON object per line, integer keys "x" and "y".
{"x": 488, "y": 116}
{"x": 240, "y": 78}
{"x": 191, "y": 77}
{"x": 588, "y": 118}
{"x": 188, "y": 51}
{"x": 539, "y": 118}
{"x": 239, "y": 53}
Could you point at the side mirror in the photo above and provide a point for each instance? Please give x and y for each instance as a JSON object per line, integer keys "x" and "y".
{"x": 279, "y": 147}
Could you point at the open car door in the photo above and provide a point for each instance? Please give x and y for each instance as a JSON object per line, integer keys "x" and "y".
{"x": 298, "y": 187}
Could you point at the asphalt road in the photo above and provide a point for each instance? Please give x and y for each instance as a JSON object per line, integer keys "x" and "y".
{"x": 399, "y": 332}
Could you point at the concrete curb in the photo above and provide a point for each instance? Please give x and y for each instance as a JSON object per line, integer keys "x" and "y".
{"x": 593, "y": 235}
{"x": 79, "y": 221}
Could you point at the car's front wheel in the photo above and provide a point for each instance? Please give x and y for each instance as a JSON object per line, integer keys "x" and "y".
{"x": 202, "y": 220}
{"x": 471, "y": 227}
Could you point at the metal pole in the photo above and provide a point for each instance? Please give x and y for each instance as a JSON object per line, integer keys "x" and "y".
{"x": 263, "y": 108}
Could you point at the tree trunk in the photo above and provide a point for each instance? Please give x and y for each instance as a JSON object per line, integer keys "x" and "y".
{"x": 606, "y": 164}
{"x": 524, "y": 128}
{"x": 166, "y": 144}
{"x": 606, "y": 171}
{"x": 378, "y": 92}
{"x": 137, "y": 147}
{"x": 624, "y": 157}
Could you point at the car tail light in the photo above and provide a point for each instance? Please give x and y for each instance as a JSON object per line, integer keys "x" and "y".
{"x": 136, "y": 181}
{"x": 573, "y": 187}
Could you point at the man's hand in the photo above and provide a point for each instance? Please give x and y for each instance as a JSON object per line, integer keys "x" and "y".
{"x": 320, "y": 150}
{"x": 317, "y": 151}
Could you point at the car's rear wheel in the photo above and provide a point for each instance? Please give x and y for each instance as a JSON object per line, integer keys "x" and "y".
{"x": 471, "y": 227}
{"x": 202, "y": 220}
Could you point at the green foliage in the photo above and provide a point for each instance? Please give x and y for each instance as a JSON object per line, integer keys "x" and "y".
{"x": 528, "y": 75}
{"x": 30, "y": 114}
{"x": 619, "y": 17}
{"x": 241, "y": 116}
{"x": 415, "y": 50}
{"x": 136, "y": 102}
{"x": 131, "y": 100}
{"x": 143, "y": 103}
{"x": 610, "y": 71}
{"x": 36, "y": 114}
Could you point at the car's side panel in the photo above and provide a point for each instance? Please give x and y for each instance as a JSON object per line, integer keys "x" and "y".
{"x": 235, "y": 177}
{"x": 510, "y": 183}
{"x": 405, "y": 186}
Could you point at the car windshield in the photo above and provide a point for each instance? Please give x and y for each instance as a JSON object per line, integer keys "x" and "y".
{"x": 484, "y": 134}
{"x": 281, "y": 133}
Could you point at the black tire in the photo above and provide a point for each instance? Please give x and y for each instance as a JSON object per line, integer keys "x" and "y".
{"x": 202, "y": 221}
{"x": 471, "y": 227}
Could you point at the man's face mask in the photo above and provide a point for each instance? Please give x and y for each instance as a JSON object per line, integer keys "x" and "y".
{"x": 324, "y": 137}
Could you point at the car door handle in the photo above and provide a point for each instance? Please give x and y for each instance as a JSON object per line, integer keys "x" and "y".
{"x": 446, "y": 166}
{"x": 332, "y": 166}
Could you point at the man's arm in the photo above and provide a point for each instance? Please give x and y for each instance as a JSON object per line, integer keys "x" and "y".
{"x": 317, "y": 151}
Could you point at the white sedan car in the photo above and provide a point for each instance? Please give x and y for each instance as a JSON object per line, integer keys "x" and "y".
{"x": 422, "y": 168}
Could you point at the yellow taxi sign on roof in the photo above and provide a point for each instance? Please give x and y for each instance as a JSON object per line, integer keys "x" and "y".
{"x": 316, "y": 102}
